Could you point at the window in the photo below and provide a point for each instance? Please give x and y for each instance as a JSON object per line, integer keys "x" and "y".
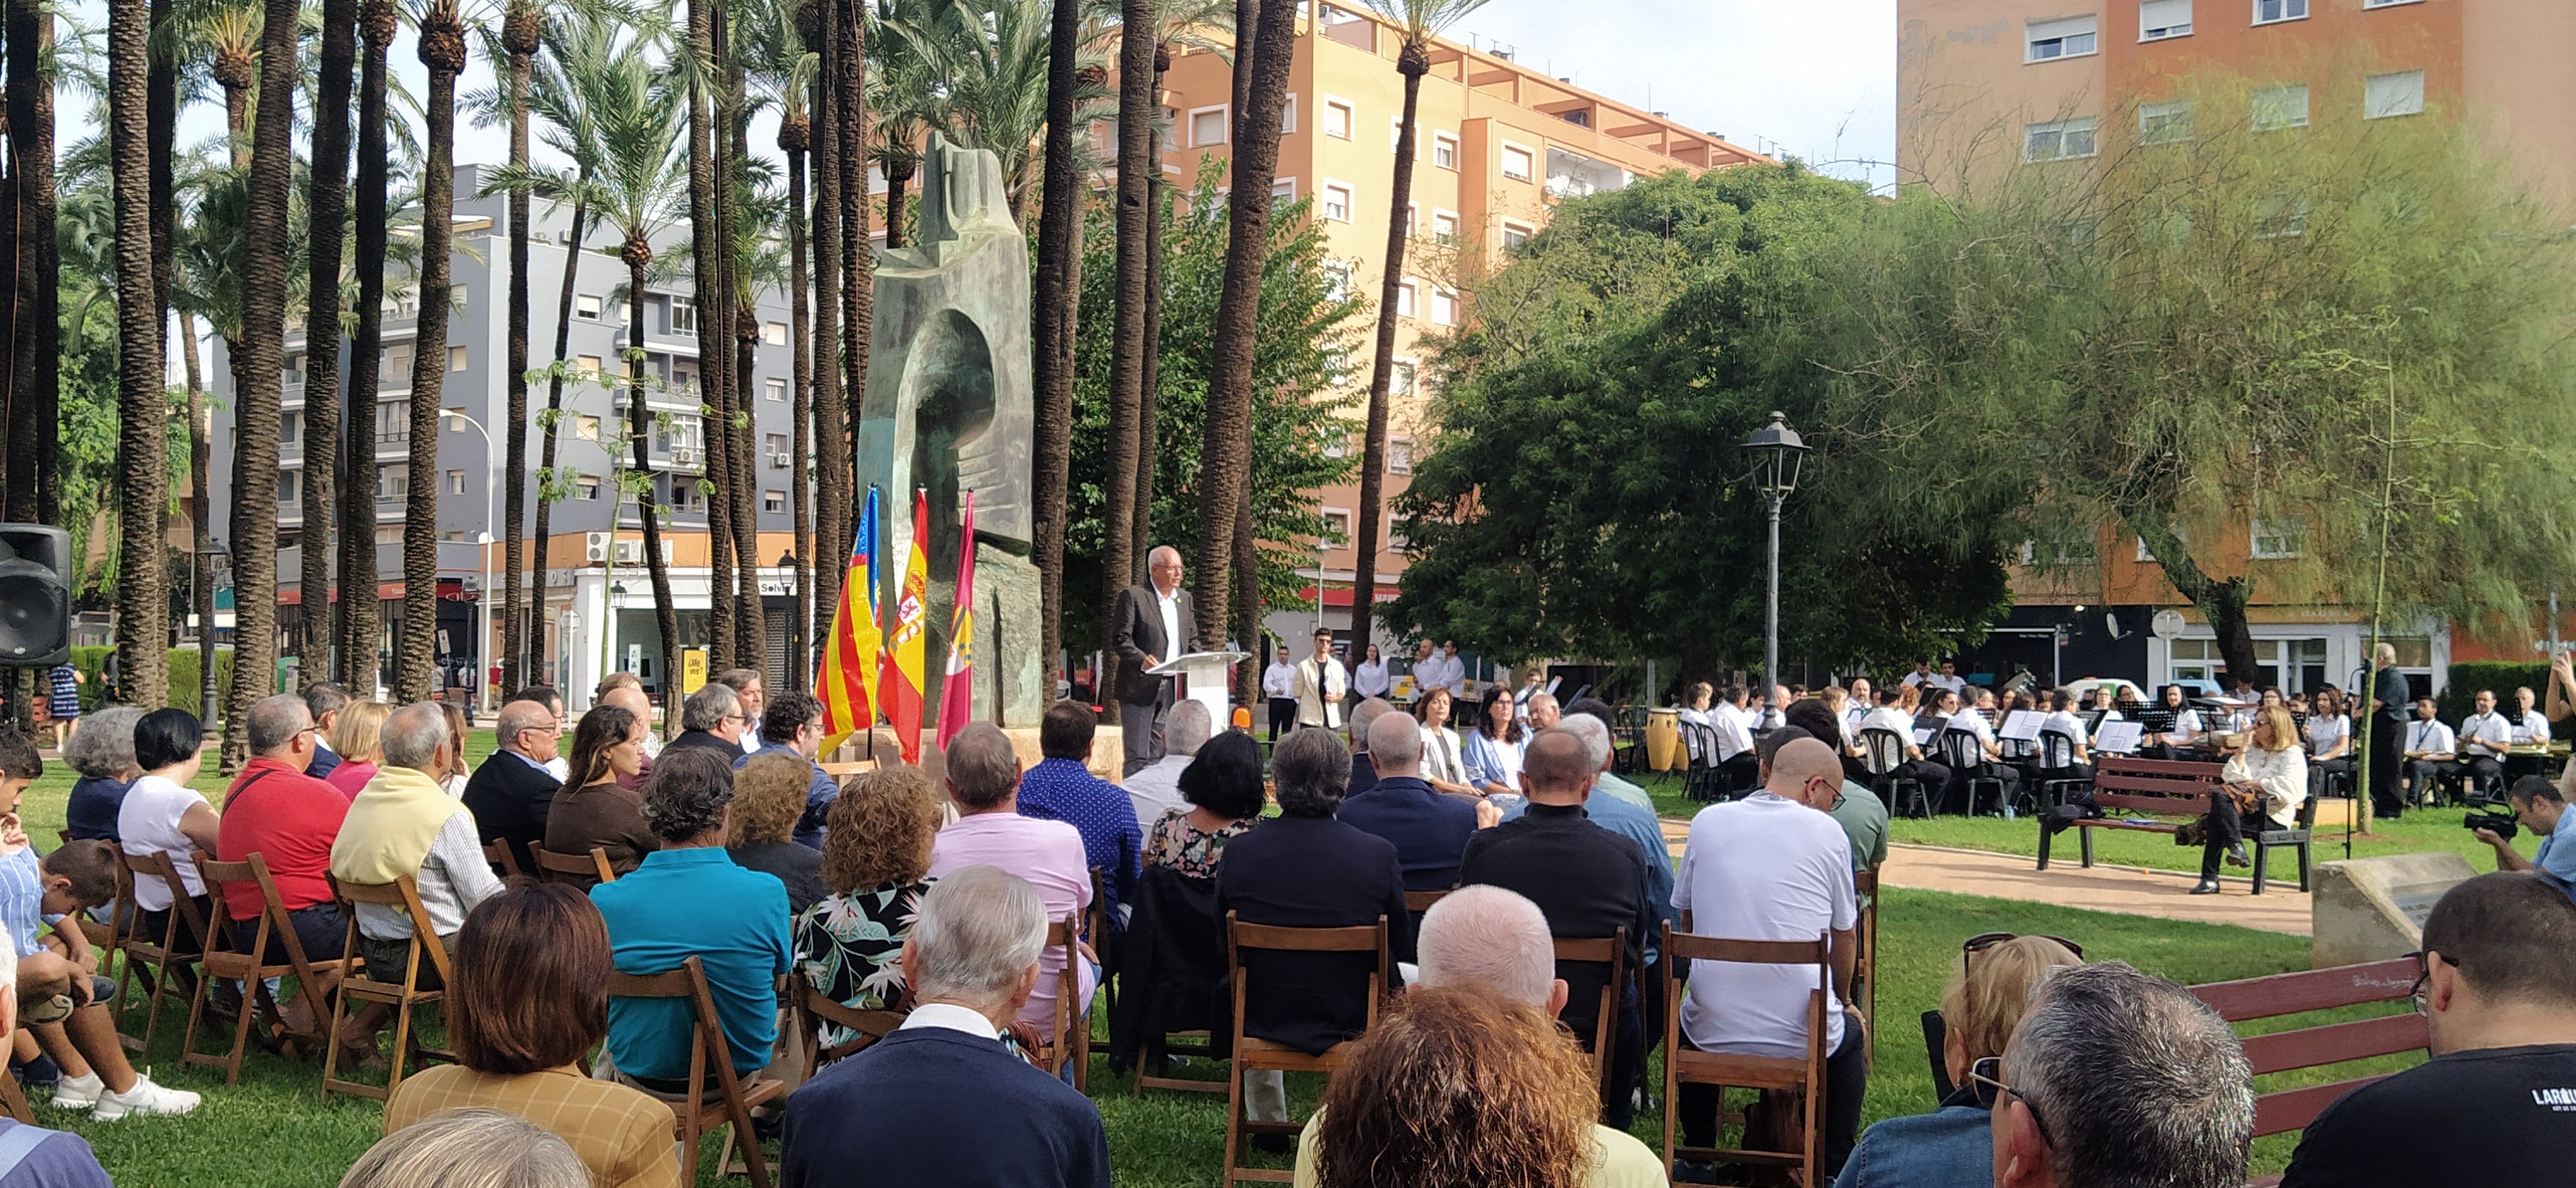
{"x": 293, "y": 375}
{"x": 773, "y": 389}
{"x": 773, "y": 502}
{"x": 1337, "y": 119}
{"x": 1444, "y": 308}
{"x": 585, "y": 427}
{"x": 2275, "y": 539}
{"x": 1514, "y": 235}
{"x": 2160, "y": 19}
{"x": 2070, "y": 37}
{"x": 2057, "y": 141}
{"x": 1337, "y": 525}
{"x": 396, "y": 371}
{"x": 2268, "y": 11}
{"x": 625, "y": 313}
{"x": 684, "y": 314}
{"x": 2278, "y": 217}
{"x": 2387, "y": 4}
{"x": 2144, "y": 555}
{"x": 456, "y": 482}
{"x": 1283, "y": 192}
{"x": 1406, "y": 294}
{"x": 1399, "y": 378}
{"x": 1337, "y": 445}
{"x": 2195, "y": 660}
{"x": 2281, "y": 107}
{"x": 1337, "y": 280}
{"x": 1444, "y": 150}
{"x": 453, "y": 418}
{"x": 393, "y": 483}
{"x": 389, "y": 537}
{"x": 1399, "y": 455}
{"x": 2397, "y": 94}
{"x": 1336, "y": 202}
{"x": 1288, "y": 115}
{"x": 585, "y": 487}
{"x": 774, "y": 333}
{"x": 589, "y": 366}
{"x": 289, "y": 485}
{"x": 456, "y": 358}
{"x": 1207, "y": 126}
{"x": 586, "y": 305}
{"x": 393, "y": 423}
{"x": 288, "y": 427}
{"x": 1518, "y": 163}
{"x": 2164, "y": 123}
{"x": 1444, "y": 228}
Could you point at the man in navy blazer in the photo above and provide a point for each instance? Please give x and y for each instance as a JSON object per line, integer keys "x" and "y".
{"x": 1429, "y": 830}
{"x": 940, "y": 1100}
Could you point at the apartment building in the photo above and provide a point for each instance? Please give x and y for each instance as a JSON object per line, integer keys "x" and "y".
{"x": 1979, "y": 81}
{"x": 1499, "y": 145}
{"x": 598, "y": 616}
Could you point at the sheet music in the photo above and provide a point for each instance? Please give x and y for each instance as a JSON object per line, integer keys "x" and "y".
{"x": 2021, "y": 726}
{"x": 2117, "y": 737}
{"x": 1923, "y": 737}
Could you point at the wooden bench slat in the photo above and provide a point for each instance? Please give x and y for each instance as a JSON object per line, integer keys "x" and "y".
{"x": 2174, "y": 789}
{"x": 2203, "y": 768}
{"x": 2310, "y": 990}
{"x": 2293, "y": 1109}
{"x": 2334, "y": 1043}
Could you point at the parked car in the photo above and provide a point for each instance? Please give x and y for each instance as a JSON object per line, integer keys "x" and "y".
{"x": 2083, "y": 688}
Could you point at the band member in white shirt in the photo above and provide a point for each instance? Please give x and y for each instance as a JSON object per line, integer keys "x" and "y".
{"x": 2329, "y": 734}
{"x": 2485, "y": 736}
{"x": 1733, "y": 719}
{"x": 1370, "y": 679}
{"x": 2168, "y": 744}
{"x": 1948, "y": 678}
{"x": 1989, "y": 750}
{"x": 1891, "y": 717}
{"x": 1279, "y": 684}
{"x": 1922, "y": 673}
{"x": 2530, "y": 729}
{"x": 2432, "y": 753}
{"x": 1320, "y": 686}
{"x": 1695, "y": 710}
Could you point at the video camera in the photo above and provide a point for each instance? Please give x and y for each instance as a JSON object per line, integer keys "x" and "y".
{"x": 2504, "y": 824}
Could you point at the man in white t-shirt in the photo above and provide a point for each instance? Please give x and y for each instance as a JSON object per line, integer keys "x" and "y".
{"x": 2484, "y": 738}
{"x": 1990, "y": 752}
{"x": 2432, "y": 753}
{"x": 1733, "y": 721}
{"x": 1774, "y": 866}
{"x": 1279, "y": 684}
{"x": 1922, "y": 673}
{"x": 1889, "y": 717}
{"x": 1948, "y": 678}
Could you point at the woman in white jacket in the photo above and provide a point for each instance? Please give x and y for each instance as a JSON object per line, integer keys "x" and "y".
{"x": 2273, "y": 761}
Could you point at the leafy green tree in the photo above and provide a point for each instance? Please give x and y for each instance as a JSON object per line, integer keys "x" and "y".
{"x": 1585, "y": 494}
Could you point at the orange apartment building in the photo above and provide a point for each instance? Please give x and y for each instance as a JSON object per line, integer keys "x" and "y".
{"x": 1977, "y": 79}
{"x": 1501, "y": 144}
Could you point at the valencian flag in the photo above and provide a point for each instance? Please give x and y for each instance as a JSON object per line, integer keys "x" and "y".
{"x": 848, "y": 677}
{"x": 957, "y": 689}
{"x": 899, "y": 682}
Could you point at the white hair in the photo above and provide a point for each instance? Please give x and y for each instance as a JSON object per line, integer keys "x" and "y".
{"x": 1186, "y": 728}
{"x": 1595, "y": 734}
{"x": 980, "y": 928}
{"x": 413, "y": 734}
{"x": 1395, "y": 744}
{"x": 1488, "y": 938}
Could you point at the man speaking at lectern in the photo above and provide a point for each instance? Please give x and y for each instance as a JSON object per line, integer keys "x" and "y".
{"x": 1153, "y": 623}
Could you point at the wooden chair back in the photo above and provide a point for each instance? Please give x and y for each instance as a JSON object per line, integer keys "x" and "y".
{"x": 2251, "y": 999}
{"x": 223, "y": 959}
{"x": 817, "y": 1009}
{"x": 406, "y": 996}
{"x": 1800, "y": 1080}
{"x": 1251, "y": 1053}
{"x": 1069, "y": 1039}
{"x": 157, "y": 953}
{"x": 1611, "y": 950}
{"x": 1865, "y": 954}
{"x": 709, "y": 1058}
{"x": 502, "y": 858}
{"x": 1418, "y": 902}
{"x": 592, "y": 868}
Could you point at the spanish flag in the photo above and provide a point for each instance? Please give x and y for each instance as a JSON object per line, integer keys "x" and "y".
{"x": 848, "y": 677}
{"x": 899, "y": 682}
{"x": 957, "y": 689}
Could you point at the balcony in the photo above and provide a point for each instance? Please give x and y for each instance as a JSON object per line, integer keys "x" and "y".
{"x": 1573, "y": 175}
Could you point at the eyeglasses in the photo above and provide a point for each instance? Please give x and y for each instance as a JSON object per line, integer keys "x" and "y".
{"x": 1987, "y": 940}
{"x": 1985, "y": 1077}
{"x": 2424, "y": 975}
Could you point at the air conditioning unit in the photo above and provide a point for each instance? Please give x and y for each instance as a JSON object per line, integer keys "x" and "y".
{"x": 778, "y": 460}
{"x": 630, "y": 552}
{"x": 594, "y": 547}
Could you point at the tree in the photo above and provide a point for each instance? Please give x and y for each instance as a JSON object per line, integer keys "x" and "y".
{"x": 327, "y": 208}
{"x": 833, "y": 495}
{"x": 441, "y": 47}
{"x": 1139, "y": 105}
{"x": 143, "y": 402}
{"x": 1584, "y": 494}
{"x": 1053, "y": 300}
{"x": 699, "y": 69}
{"x": 522, "y": 33}
{"x": 1420, "y": 20}
{"x": 2347, "y": 339}
{"x": 32, "y": 478}
{"x": 361, "y": 657}
{"x": 784, "y": 69}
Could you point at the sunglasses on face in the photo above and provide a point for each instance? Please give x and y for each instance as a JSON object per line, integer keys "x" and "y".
{"x": 1987, "y": 940}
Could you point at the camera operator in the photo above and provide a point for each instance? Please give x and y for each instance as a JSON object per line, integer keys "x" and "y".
{"x": 2539, "y": 806}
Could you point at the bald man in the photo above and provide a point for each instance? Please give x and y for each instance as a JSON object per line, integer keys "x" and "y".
{"x": 1587, "y": 881}
{"x": 1774, "y": 866}
{"x": 1153, "y": 622}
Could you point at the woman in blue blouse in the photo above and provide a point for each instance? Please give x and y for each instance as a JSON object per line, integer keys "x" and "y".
{"x": 1494, "y": 747}
{"x": 103, "y": 753}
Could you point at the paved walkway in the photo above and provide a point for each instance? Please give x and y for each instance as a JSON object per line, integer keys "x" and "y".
{"x": 2128, "y": 890}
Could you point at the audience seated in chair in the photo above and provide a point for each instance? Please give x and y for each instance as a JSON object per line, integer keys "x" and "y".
{"x": 402, "y": 824}
{"x": 712, "y": 719}
{"x": 1859, "y": 811}
{"x": 2119, "y": 1077}
{"x": 1633, "y": 819}
{"x": 278, "y": 811}
{"x": 512, "y": 793}
{"x": 984, "y": 780}
{"x": 1428, "y": 830}
{"x": 1157, "y": 786}
{"x": 358, "y": 739}
{"x": 876, "y": 868}
{"x": 469, "y": 1148}
{"x": 530, "y": 1000}
{"x": 2499, "y": 999}
{"x": 161, "y": 815}
{"x": 1587, "y": 881}
{"x": 791, "y": 724}
{"x": 54, "y": 1159}
{"x": 1062, "y": 788}
{"x": 326, "y": 700}
{"x": 940, "y": 1100}
{"x": 1979, "y": 1009}
{"x": 103, "y": 755}
{"x": 1363, "y": 716}
{"x": 770, "y": 793}
{"x": 689, "y": 899}
{"x": 1223, "y": 800}
{"x": 595, "y": 807}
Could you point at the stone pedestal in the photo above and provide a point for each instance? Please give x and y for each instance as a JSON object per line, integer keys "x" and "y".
{"x": 1107, "y": 756}
{"x": 2373, "y": 909}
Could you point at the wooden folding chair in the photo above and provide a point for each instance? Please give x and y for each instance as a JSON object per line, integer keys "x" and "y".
{"x": 404, "y": 895}
{"x": 1251, "y": 1054}
{"x": 1095, "y": 926}
{"x": 1774, "y": 1076}
{"x": 1069, "y": 1040}
{"x": 1611, "y": 950}
{"x": 691, "y": 1114}
{"x": 1865, "y": 963}
{"x": 160, "y": 953}
{"x": 592, "y": 866}
{"x": 1418, "y": 902}
{"x": 14, "y": 1101}
{"x": 816, "y": 1008}
{"x": 222, "y": 960}
{"x": 502, "y": 859}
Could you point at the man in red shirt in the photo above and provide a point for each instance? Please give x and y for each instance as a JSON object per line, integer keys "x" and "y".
{"x": 290, "y": 819}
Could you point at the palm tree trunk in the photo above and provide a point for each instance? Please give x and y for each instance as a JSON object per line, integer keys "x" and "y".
{"x": 161, "y": 133}
{"x": 833, "y": 494}
{"x": 793, "y": 136}
{"x": 1051, "y": 331}
{"x": 750, "y": 621}
{"x": 1149, "y": 386}
{"x": 35, "y": 364}
{"x": 201, "y": 501}
{"x": 706, "y": 259}
{"x": 143, "y": 407}
{"x": 1225, "y": 456}
{"x": 898, "y": 175}
{"x": 442, "y": 50}
{"x": 328, "y": 203}
{"x": 1127, "y": 335}
{"x": 639, "y": 429}
{"x": 361, "y": 653}
{"x": 858, "y": 256}
{"x": 554, "y": 414}
{"x": 1413, "y": 61}
{"x": 520, "y": 28}
{"x": 257, "y": 388}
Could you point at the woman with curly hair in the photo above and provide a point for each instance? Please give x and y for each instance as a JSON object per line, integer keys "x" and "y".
{"x": 1459, "y": 1088}
{"x": 876, "y": 863}
{"x": 768, "y": 799}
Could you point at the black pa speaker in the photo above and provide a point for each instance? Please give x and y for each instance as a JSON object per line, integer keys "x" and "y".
{"x": 35, "y": 596}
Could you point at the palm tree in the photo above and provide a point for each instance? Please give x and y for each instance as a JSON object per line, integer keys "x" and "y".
{"x": 361, "y": 661}
{"x": 1421, "y": 20}
{"x": 698, "y": 70}
{"x": 1051, "y": 337}
{"x": 327, "y": 209}
{"x": 848, "y": 46}
{"x": 230, "y": 32}
{"x": 784, "y": 70}
{"x": 1226, "y": 455}
{"x": 521, "y": 29}
{"x": 833, "y": 492}
{"x": 142, "y": 453}
{"x": 257, "y": 359}
{"x": 34, "y": 339}
{"x": 441, "y": 47}
{"x": 758, "y": 264}
{"x": 907, "y": 95}
{"x": 1137, "y": 109}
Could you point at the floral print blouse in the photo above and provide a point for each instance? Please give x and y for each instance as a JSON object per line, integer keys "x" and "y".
{"x": 851, "y": 948}
{"x": 1179, "y": 845}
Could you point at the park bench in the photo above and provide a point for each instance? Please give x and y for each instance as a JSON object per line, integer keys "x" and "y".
{"x": 2285, "y": 1110}
{"x": 2177, "y": 787}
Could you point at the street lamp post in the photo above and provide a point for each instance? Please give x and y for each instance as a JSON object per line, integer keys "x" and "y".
{"x": 208, "y": 560}
{"x": 482, "y": 546}
{"x": 1780, "y": 454}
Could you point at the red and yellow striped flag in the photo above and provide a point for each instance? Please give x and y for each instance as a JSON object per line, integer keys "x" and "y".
{"x": 847, "y": 678}
{"x": 899, "y": 681}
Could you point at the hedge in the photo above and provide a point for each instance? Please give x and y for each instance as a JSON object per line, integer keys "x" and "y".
{"x": 2458, "y": 699}
{"x": 185, "y": 692}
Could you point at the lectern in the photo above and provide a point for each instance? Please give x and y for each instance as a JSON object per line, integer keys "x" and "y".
{"x": 1205, "y": 679}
